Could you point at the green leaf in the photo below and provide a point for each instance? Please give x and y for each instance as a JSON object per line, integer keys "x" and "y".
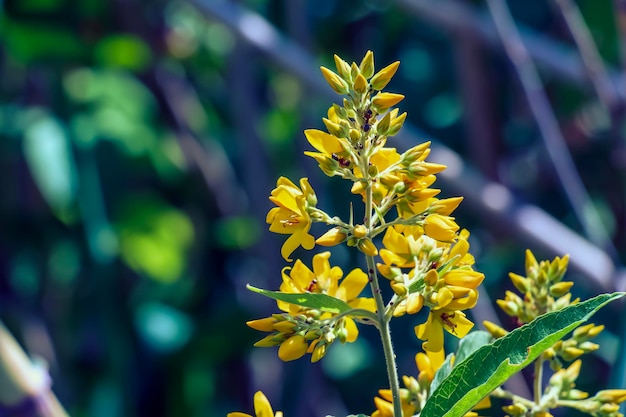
{"x": 468, "y": 345}
{"x": 320, "y": 302}
{"x": 491, "y": 365}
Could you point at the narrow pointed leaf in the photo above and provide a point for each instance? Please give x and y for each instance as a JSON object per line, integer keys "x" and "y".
{"x": 491, "y": 365}
{"x": 320, "y": 302}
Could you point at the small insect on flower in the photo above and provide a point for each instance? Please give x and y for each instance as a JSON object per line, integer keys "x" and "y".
{"x": 445, "y": 318}
{"x": 312, "y": 286}
{"x": 344, "y": 163}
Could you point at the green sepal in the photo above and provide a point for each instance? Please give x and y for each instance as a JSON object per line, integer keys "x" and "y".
{"x": 491, "y": 365}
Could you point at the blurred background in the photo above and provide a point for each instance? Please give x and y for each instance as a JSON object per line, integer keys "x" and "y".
{"x": 141, "y": 139}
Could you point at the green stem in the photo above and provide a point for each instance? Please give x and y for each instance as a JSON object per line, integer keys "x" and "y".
{"x": 385, "y": 336}
{"x": 385, "y": 332}
{"x": 538, "y": 378}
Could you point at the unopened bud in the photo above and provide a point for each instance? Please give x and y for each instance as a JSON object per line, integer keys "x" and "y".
{"x": 611, "y": 396}
{"x": 285, "y": 326}
{"x": 571, "y": 353}
{"x": 382, "y": 77}
{"x": 359, "y": 231}
{"x": 521, "y": 283}
{"x": 414, "y": 303}
{"x": 335, "y": 81}
{"x": 383, "y": 101}
{"x": 399, "y": 288}
{"x": 367, "y": 247}
{"x": 333, "y": 237}
{"x": 367, "y": 65}
{"x": 360, "y": 84}
{"x": 515, "y": 409}
{"x": 560, "y": 288}
{"x": 495, "y": 330}
{"x": 396, "y": 124}
{"x": 263, "y": 325}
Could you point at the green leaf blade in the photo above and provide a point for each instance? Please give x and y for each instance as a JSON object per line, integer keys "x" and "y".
{"x": 320, "y": 302}
{"x": 491, "y": 365}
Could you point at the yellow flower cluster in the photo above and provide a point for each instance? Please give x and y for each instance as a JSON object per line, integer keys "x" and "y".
{"x": 438, "y": 275}
{"x": 302, "y": 330}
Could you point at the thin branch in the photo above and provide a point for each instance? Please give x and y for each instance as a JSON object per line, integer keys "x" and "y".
{"x": 547, "y": 123}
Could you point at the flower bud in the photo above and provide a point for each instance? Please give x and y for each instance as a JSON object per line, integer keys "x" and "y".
{"x": 399, "y": 288}
{"x": 425, "y": 168}
{"x": 342, "y": 68}
{"x": 495, "y": 330}
{"x": 396, "y": 124}
{"x": 335, "y": 81}
{"x": 515, "y": 409}
{"x": 446, "y": 206}
{"x": 339, "y": 130}
{"x": 382, "y": 77}
{"x": 293, "y": 348}
{"x": 359, "y": 231}
{"x": 285, "y": 327}
{"x": 360, "y": 84}
{"x": 271, "y": 340}
{"x": 611, "y": 396}
{"x": 263, "y": 325}
{"x": 521, "y": 283}
{"x": 508, "y": 307}
{"x": 414, "y": 303}
{"x": 318, "y": 352}
{"x": 441, "y": 228}
{"x": 383, "y": 124}
{"x": 431, "y": 277}
{"x": 382, "y": 101}
{"x": 367, "y": 65}
{"x": 333, "y": 237}
{"x": 571, "y": 353}
{"x": 367, "y": 247}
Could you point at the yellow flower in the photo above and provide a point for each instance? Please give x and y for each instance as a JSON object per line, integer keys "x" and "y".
{"x": 401, "y": 249}
{"x": 442, "y": 228}
{"x": 262, "y": 408}
{"x": 431, "y": 331}
{"x": 291, "y": 215}
{"x": 324, "y": 279}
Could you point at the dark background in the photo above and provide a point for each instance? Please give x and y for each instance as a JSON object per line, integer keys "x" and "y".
{"x": 139, "y": 141}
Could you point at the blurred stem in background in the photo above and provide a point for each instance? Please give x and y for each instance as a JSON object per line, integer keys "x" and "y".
{"x": 24, "y": 384}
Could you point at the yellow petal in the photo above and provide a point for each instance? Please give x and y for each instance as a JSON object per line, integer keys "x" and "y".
{"x": 353, "y": 284}
{"x": 262, "y": 407}
{"x": 351, "y": 328}
{"x": 368, "y": 304}
{"x": 238, "y": 414}
{"x": 323, "y": 142}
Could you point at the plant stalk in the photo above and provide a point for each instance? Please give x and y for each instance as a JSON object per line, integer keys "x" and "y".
{"x": 385, "y": 332}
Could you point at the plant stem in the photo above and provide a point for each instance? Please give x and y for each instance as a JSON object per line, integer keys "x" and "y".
{"x": 385, "y": 336}
{"x": 385, "y": 333}
{"x": 538, "y": 377}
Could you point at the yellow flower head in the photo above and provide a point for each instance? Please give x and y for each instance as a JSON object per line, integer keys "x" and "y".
{"x": 262, "y": 408}
{"x": 431, "y": 331}
{"x": 324, "y": 279}
{"x": 291, "y": 215}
